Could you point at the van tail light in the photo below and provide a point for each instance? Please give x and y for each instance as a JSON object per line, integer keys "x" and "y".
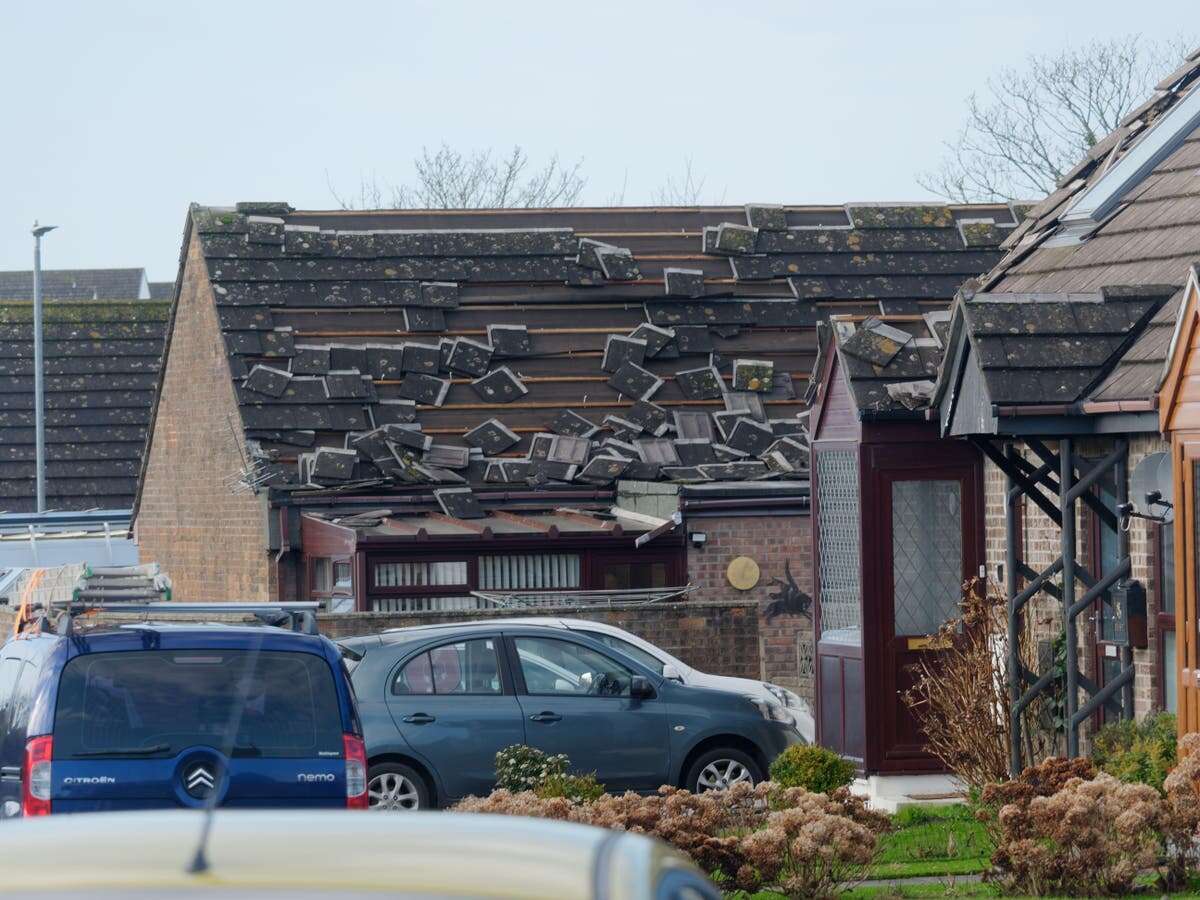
{"x": 35, "y": 776}
{"x": 356, "y": 771}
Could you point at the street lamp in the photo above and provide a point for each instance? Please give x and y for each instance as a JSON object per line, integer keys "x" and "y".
{"x": 39, "y": 391}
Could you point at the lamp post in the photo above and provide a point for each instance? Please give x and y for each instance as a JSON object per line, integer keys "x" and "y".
{"x": 39, "y": 390}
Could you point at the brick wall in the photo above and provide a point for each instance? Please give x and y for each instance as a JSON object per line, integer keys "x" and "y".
{"x": 211, "y": 541}
{"x": 1041, "y": 545}
{"x": 718, "y": 636}
{"x": 771, "y": 541}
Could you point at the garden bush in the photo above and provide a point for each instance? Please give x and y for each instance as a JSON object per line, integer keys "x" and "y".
{"x": 1062, "y": 828}
{"x": 815, "y": 769}
{"x": 523, "y": 768}
{"x": 576, "y": 788}
{"x": 766, "y": 837}
{"x": 1137, "y": 752}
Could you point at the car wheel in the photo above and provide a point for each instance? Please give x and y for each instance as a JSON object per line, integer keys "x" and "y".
{"x": 396, "y": 787}
{"x": 718, "y": 770}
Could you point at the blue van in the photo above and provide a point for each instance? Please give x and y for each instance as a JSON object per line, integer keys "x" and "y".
{"x": 151, "y": 716}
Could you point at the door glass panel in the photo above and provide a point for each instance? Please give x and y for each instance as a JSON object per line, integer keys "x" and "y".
{"x": 927, "y": 560}
{"x": 838, "y": 546}
{"x": 1166, "y": 543}
{"x": 552, "y": 666}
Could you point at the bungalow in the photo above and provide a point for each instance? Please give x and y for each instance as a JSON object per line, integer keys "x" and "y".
{"x": 424, "y": 409}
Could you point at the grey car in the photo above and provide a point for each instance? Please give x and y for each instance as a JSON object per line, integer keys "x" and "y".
{"x": 437, "y": 704}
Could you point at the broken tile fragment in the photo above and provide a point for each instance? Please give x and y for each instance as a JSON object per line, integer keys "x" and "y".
{"x": 622, "y": 429}
{"x": 693, "y": 424}
{"x": 683, "y": 282}
{"x": 753, "y": 375}
{"x": 748, "y": 403}
{"x": 637, "y": 470}
{"x": 733, "y": 238}
{"x": 540, "y": 444}
{"x": 424, "y": 388}
{"x": 655, "y": 338}
{"x": 750, "y": 437}
{"x": 333, "y": 464}
{"x": 876, "y": 342}
{"x": 586, "y": 256}
{"x": 571, "y": 423}
{"x": 787, "y": 455}
{"x": 694, "y": 451}
{"x": 683, "y": 474}
{"x": 700, "y": 384}
{"x": 346, "y": 385}
{"x": 394, "y": 412}
{"x": 425, "y": 359}
{"x": 468, "y": 357}
{"x": 267, "y": 380}
{"x": 369, "y": 444}
{"x": 634, "y": 382}
{"x": 509, "y": 341}
{"x": 619, "y": 349}
{"x": 657, "y": 450}
{"x": 492, "y": 437}
{"x": 735, "y": 471}
{"x": 767, "y": 217}
{"x": 446, "y": 456}
{"x": 617, "y": 264}
{"x": 411, "y": 437}
{"x": 602, "y": 469}
{"x": 440, "y": 294}
{"x": 499, "y": 386}
{"x": 424, "y": 319}
{"x": 693, "y": 339}
{"x": 650, "y": 417}
{"x": 573, "y": 450}
{"x": 459, "y": 503}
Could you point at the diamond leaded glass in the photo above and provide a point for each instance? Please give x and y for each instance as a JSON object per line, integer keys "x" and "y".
{"x": 926, "y": 554}
{"x": 838, "y": 546}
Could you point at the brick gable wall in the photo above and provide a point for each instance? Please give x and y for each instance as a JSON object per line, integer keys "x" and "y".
{"x": 211, "y": 541}
{"x": 786, "y": 650}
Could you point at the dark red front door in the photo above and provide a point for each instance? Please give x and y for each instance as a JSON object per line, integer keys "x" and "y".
{"x": 929, "y": 545}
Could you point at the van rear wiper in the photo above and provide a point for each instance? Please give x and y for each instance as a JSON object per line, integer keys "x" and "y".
{"x": 126, "y": 751}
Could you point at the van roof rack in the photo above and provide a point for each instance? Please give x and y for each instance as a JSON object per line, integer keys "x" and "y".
{"x": 300, "y": 617}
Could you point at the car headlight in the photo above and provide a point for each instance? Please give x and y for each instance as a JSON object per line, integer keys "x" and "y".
{"x": 783, "y": 695}
{"x": 772, "y": 712}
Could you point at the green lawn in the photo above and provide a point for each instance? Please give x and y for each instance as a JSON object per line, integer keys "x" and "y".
{"x": 933, "y": 840}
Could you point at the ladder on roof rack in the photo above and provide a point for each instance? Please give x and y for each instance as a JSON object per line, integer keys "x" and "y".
{"x": 299, "y": 617}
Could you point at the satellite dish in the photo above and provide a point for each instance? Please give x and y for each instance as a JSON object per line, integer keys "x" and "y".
{"x": 1153, "y": 475}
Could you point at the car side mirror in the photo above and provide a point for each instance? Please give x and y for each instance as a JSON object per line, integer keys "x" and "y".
{"x": 640, "y": 688}
{"x": 671, "y": 673}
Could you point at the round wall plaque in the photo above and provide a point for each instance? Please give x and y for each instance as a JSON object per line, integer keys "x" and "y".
{"x": 742, "y": 573}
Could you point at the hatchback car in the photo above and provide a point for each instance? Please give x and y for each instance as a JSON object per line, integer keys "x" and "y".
{"x": 158, "y": 716}
{"x": 438, "y": 703}
{"x": 672, "y": 667}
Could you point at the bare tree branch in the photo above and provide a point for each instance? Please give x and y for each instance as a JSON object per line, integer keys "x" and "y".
{"x": 1034, "y": 123}
{"x": 453, "y": 179}
{"x": 685, "y": 190}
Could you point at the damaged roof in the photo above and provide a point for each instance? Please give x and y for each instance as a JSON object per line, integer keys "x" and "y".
{"x": 101, "y": 365}
{"x": 890, "y": 362}
{"x": 555, "y": 346}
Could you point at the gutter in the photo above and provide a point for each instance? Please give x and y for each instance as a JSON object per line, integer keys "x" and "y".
{"x": 382, "y": 500}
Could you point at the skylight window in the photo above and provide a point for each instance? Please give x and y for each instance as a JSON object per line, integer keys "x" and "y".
{"x": 1171, "y": 130}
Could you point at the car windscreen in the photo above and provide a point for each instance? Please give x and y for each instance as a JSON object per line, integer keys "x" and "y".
{"x": 155, "y": 703}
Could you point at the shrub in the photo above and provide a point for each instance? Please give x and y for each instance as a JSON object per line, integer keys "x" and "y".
{"x": 1182, "y": 814}
{"x": 960, "y": 695}
{"x": 815, "y": 769}
{"x": 522, "y": 768}
{"x": 576, "y": 788}
{"x": 1137, "y": 752}
{"x": 765, "y": 837}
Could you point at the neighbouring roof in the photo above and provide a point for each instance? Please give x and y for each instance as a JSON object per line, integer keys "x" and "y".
{"x": 493, "y": 347}
{"x": 77, "y": 284}
{"x": 890, "y": 362}
{"x": 101, "y": 366}
{"x": 162, "y": 290}
{"x": 1029, "y": 350}
{"x": 1066, "y": 349}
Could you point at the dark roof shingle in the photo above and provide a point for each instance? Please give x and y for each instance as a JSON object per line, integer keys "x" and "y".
{"x": 76, "y": 284}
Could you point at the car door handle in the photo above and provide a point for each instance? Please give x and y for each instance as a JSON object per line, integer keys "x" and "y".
{"x": 419, "y": 719}
{"x": 545, "y": 717}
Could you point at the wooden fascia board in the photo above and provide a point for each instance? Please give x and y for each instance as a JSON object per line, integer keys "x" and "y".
{"x": 1185, "y": 327}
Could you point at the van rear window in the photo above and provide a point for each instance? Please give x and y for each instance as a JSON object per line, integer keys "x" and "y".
{"x": 156, "y": 703}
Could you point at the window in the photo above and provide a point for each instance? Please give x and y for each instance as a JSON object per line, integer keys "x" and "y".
{"x": 158, "y": 702}
{"x": 552, "y": 666}
{"x": 532, "y": 571}
{"x": 468, "y": 667}
{"x": 421, "y": 585}
{"x": 332, "y": 580}
{"x": 838, "y": 537}
{"x": 625, "y": 575}
{"x": 631, "y": 650}
{"x": 927, "y": 558}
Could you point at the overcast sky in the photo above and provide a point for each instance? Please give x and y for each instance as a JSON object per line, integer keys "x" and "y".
{"x": 117, "y": 115}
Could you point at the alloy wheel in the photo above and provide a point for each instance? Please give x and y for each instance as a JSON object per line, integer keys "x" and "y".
{"x": 722, "y": 774}
{"x": 392, "y": 791}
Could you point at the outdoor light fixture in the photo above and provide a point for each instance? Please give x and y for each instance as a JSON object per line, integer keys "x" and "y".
{"x": 39, "y": 388}
{"x": 698, "y": 538}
